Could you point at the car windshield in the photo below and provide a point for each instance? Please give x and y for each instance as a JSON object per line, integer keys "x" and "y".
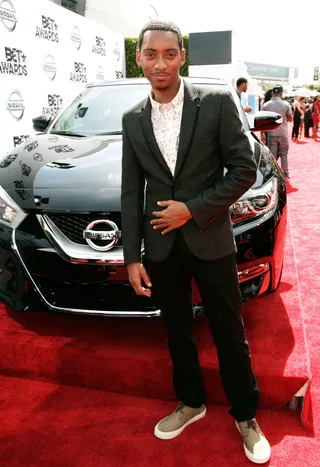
{"x": 98, "y": 110}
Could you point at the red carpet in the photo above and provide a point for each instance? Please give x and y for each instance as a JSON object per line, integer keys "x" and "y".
{"x": 130, "y": 356}
{"x": 52, "y": 425}
{"x": 60, "y": 426}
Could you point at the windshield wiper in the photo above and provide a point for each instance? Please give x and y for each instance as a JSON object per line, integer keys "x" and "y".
{"x": 66, "y": 133}
{"x": 113, "y": 132}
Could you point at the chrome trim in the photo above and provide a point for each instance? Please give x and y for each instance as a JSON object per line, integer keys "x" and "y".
{"x": 265, "y": 283}
{"x": 260, "y": 269}
{"x": 123, "y": 314}
{"x": 75, "y": 253}
{"x": 112, "y": 235}
{"x": 253, "y": 271}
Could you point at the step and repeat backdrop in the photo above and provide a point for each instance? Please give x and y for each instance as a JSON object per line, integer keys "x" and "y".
{"x": 47, "y": 55}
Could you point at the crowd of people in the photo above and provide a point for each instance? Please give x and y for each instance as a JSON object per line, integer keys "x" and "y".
{"x": 303, "y": 112}
{"x": 306, "y": 115}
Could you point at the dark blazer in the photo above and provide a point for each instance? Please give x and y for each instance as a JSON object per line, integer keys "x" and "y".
{"x": 212, "y": 138}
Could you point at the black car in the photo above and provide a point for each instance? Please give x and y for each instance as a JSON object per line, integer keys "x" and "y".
{"x": 60, "y": 219}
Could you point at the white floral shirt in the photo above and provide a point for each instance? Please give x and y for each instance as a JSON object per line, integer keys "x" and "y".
{"x": 166, "y": 122}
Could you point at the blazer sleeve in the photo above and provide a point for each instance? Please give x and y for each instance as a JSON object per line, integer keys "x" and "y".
{"x": 132, "y": 198}
{"x": 237, "y": 157}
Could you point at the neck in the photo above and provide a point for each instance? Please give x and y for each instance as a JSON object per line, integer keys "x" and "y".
{"x": 166, "y": 95}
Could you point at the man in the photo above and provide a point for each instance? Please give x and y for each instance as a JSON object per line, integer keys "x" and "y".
{"x": 277, "y": 140}
{"x": 308, "y": 122}
{"x": 242, "y": 86}
{"x": 176, "y": 144}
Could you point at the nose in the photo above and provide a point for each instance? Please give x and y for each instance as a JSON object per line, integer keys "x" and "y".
{"x": 160, "y": 64}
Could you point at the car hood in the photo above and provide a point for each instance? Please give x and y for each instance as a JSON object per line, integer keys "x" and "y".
{"x": 47, "y": 170}
{"x": 59, "y": 173}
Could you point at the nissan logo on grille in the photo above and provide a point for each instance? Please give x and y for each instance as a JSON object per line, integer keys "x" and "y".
{"x": 102, "y": 234}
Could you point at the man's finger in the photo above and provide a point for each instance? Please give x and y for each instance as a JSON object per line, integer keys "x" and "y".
{"x": 169, "y": 229}
{"x": 158, "y": 213}
{"x": 160, "y": 226}
{"x": 164, "y": 203}
{"x": 145, "y": 277}
{"x": 139, "y": 290}
{"x": 159, "y": 220}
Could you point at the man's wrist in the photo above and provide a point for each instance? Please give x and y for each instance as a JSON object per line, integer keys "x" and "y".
{"x": 188, "y": 211}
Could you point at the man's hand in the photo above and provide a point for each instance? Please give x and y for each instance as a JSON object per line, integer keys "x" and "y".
{"x": 175, "y": 215}
{"x": 247, "y": 108}
{"x": 137, "y": 274}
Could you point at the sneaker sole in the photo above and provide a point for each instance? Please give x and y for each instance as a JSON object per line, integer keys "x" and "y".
{"x": 250, "y": 456}
{"x": 172, "y": 434}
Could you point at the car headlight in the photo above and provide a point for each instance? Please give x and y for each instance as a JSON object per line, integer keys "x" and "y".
{"x": 255, "y": 202}
{"x": 10, "y": 213}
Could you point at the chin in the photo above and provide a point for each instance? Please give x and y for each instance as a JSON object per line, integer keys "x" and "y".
{"x": 160, "y": 83}
{"x": 161, "y": 86}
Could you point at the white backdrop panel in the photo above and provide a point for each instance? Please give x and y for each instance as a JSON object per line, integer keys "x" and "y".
{"x": 47, "y": 55}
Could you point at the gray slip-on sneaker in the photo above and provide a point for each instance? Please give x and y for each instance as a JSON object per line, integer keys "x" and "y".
{"x": 172, "y": 425}
{"x": 255, "y": 444}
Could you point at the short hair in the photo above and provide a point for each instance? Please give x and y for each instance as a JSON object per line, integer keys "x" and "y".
{"x": 157, "y": 25}
{"x": 241, "y": 81}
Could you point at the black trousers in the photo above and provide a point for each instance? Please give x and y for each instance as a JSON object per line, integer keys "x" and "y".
{"x": 218, "y": 284}
{"x": 296, "y": 124}
{"x": 308, "y": 123}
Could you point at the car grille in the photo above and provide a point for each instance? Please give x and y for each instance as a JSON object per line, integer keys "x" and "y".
{"x": 100, "y": 296}
{"x": 73, "y": 225}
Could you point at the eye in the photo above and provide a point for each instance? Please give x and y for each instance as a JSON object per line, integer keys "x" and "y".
{"x": 149, "y": 55}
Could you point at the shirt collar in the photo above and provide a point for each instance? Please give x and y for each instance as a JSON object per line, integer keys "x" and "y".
{"x": 178, "y": 99}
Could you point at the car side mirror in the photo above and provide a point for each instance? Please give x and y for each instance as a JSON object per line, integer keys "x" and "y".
{"x": 41, "y": 123}
{"x": 266, "y": 121}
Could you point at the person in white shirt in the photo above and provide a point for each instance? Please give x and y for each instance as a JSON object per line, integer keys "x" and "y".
{"x": 242, "y": 86}
{"x": 174, "y": 194}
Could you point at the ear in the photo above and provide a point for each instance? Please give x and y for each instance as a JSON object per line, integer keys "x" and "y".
{"x": 183, "y": 57}
{"x": 138, "y": 57}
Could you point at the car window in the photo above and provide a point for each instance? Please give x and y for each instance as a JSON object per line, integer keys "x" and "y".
{"x": 99, "y": 110}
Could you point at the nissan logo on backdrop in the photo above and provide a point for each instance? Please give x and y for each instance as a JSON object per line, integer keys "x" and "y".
{"x": 49, "y": 67}
{"x": 8, "y": 14}
{"x": 116, "y": 51}
{"x": 15, "y": 105}
{"x": 76, "y": 37}
{"x": 100, "y": 73}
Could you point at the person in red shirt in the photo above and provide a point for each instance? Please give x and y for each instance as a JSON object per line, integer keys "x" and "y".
{"x": 316, "y": 116}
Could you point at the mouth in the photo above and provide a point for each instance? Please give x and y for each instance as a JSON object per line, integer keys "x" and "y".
{"x": 160, "y": 75}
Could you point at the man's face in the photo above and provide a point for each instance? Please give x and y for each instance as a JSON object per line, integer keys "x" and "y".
{"x": 245, "y": 87}
{"x": 160, "y": 58}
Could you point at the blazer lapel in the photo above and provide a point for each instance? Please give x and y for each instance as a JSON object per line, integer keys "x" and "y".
{"x": 147, "y": 129}
{"x": 188, "y": 124}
